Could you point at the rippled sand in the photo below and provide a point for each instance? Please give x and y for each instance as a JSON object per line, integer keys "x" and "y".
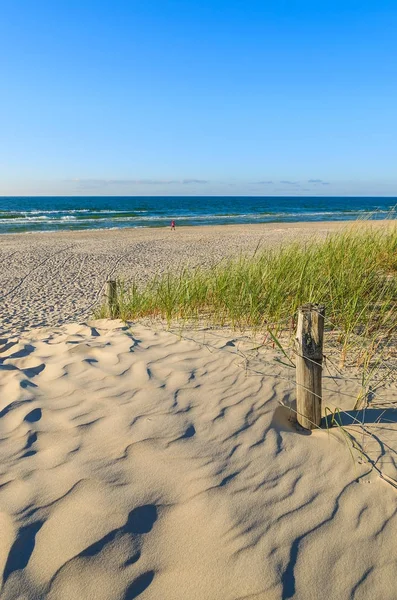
{"x": 136, "y": 464}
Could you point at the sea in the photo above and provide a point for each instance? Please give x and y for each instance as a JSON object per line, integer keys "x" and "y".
{"x": 56, "y": 213}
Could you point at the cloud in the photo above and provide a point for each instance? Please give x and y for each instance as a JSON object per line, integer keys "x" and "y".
{"x": 98, "y": 183}
{"x": 122, "y": 182}
{"x": 194, "y": 181}
{"x": 154, "y": 181}
{"x": 318, "y": 181}
{"x": 290, "y": 182}
{"x": 262, "y": 182}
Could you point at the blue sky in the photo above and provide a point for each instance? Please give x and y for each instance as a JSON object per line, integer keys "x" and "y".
{"x": 198, "y": 97}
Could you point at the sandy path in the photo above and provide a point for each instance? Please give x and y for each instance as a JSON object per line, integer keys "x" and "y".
{"x": 135, "y": 464}
{"x": 53, "y": 278}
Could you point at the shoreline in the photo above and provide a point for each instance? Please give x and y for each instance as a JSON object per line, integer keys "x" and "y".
{"x": 57, "y": 278}
{"x": 339, "y": 224}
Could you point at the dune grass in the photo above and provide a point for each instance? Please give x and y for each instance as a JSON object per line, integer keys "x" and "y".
{"x": 353, "y": 273}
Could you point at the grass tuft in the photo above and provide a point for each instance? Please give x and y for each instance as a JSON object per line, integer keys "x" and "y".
{"x": 353, "y": 273}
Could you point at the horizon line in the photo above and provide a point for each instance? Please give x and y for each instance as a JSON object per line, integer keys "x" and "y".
{"x": 196, "y": 196}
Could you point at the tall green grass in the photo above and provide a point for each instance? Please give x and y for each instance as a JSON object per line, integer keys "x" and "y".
{"x": 353, "y": 273}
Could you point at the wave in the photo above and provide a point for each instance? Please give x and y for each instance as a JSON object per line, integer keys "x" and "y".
{"x": 16, "y": 217}
{"x": 131, "y": 217}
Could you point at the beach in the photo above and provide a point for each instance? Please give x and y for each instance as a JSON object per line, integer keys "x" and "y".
{"x": 54, "y": 278}
{"x": 198, "y": 301}
{"x": 141, "y": 462}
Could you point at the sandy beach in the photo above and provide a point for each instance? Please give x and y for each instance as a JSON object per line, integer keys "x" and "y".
{"x": 55, "y": 278}
{"x": 138, "y": 463}
{"x": 198, "y": 301}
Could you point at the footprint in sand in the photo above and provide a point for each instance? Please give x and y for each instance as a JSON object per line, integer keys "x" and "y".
{"x": 139, "y": 522}
{"x": 34, "y": 416}
{"x": 22, "y": 549}
{"x": 139, "y": 585}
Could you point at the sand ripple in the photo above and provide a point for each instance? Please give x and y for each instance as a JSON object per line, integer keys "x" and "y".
{"x": 135, "y": 464}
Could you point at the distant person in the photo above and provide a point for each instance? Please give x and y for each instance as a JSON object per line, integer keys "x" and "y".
{"x": 172, "y": 225}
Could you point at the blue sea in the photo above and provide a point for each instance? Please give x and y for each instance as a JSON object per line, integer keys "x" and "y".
{"x": 25, "y": 214}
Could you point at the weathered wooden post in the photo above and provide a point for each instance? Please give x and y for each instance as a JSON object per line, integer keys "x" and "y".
{"x": 111, "y": 293}
{"x": 309, "y": 359}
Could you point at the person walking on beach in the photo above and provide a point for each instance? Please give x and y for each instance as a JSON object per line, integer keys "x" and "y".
{"x": 172, "y": 225}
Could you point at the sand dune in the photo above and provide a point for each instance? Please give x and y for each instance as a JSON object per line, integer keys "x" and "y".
{"x": 55, "y": 278}
{"x": 137, "y": 464}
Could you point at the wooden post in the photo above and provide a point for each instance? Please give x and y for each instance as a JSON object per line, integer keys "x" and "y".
{"x": 309, "y": 358}
{"x": 111, "y": 293}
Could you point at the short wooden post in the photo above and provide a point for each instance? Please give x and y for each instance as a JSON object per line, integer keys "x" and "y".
{"x": 309, "y": 358}
{"x": 111, "y": 293}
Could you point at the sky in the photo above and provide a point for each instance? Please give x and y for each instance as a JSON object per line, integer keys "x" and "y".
{"x": 157, "y": 97}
